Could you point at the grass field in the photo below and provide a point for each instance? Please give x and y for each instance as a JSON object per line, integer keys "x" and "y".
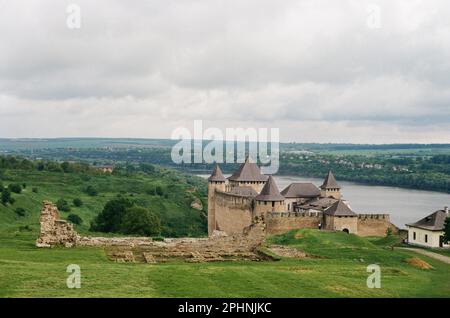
{"x": 338, "y": 269}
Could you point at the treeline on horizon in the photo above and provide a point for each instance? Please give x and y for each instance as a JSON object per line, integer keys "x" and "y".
{"x": 430, "y": 172}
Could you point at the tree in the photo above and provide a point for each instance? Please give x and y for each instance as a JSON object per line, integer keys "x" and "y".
{"x": 20, "y": 211}
{"x": 110, "y": 219}
{"x": 63, "y": 205}
{"x": 77, "y": 202}
{"x": 15, "y": 187}
{"x": 90, "y": 190}
{"x": 6, "y": 196}
{"x": 447, "y": 230}
{"x": 75, "y": 219}
{"x": 65, "y": 166}
{"x": 140, "y": 221}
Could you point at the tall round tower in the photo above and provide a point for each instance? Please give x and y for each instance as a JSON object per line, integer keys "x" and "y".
{"x": 269, "y": 200}
{"x": 215, "y": 182}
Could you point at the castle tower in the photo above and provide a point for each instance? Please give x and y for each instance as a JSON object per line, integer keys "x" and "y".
{"x": 248, "y": 175}
{"x": 340, "y": 217}
{"x": 269, "y": 200}
{"x": 215, "y": 182}
{"x": 330, "y": 188}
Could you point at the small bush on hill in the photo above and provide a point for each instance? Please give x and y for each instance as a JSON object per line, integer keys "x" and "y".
{"x": 6, "y": 196}
{"x": 20, "y": 211}
{"x": 90, "y": 190}
{"x": 15, "y": 187}
{"x": 63, "y": 205}
{"x": 77, "y": 202}
{"x": 75, "y": 219}
{"x": 35, "y": 190}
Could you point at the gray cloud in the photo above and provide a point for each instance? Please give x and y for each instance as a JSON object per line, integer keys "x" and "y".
{"x": 141, "y": 69}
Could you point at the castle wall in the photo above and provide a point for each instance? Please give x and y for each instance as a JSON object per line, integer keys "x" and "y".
{"x": 375, "y": 225}
{"x": 232, "y": 212}
{"x": 264, "y": 207}
{"x": 212, "y": 186}
{"x": 277, "y": 223}
{"x": 341, "y": 223}
{"x": 335, "y": 193}
{"x": 256, "y": 185}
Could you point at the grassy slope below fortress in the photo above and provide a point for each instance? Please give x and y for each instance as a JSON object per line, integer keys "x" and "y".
{"x": 339, "y": 271}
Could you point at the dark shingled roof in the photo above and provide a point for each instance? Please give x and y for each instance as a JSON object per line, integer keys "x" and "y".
{"x": 301, "y": 190}
{"x": 318, "y": 203}
{"x": 270, "y": 192}
{"x": 433, "y": 222}
{"x": 339, "y": 209}
{"x": 244, "y": 191}
{"x": 217, "y": 175}
{"x": 248, "y": 171}
{"x": 330, "y": 182}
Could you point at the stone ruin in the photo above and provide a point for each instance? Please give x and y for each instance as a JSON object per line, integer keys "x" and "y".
{"x": 217, "y": 247}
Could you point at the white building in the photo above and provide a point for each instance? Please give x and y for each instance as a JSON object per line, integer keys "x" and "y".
{"x": 429, "y": 231}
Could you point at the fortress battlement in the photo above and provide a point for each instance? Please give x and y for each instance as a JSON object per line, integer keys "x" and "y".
{"x": 374, "y": 216}
{"x": 293, "y": 214}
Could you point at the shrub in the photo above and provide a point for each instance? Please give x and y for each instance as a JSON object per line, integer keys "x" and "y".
{"x": 15, "y": 187}
{"x": 140, "y": 221}
{"x": 20, "y": 211}
{"x": 75, "y": 219}
{"x": 35, "y": 190}
{"x": 6, "y": 196}
{"x": 159, "y": 190}
{"x": 63, "y": 205}
{"x": 77, "y": 202}
{"x": 110, "y": 219}
{"x": 90, "y": 190}
{"x": 24, "y": 185}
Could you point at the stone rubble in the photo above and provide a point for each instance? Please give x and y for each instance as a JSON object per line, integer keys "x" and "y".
{"x": 218, "y": 247}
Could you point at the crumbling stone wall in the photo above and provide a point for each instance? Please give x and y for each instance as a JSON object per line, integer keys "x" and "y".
{"x": 375, "y": 225}
{"x": 218, "y": 247}
{"x": 233, "y": 212}
{"x": 55, "y": 231}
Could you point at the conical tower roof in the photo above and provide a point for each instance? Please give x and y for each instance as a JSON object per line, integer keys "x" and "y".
{"x": 270, "y": 192}
{"x": 340, "y": 209}
{"x": 248, "y": 172}
{"x": 330, "y": 182}
{"x": 217, "y": 175}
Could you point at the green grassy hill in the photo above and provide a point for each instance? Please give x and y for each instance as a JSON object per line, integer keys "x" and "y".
{"x": 173, "y": 205}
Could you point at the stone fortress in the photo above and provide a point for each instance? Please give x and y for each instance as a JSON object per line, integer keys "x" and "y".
{"x": 247, "y": 195}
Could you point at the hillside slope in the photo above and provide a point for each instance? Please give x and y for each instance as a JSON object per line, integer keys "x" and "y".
{"x": 165, "y": 192}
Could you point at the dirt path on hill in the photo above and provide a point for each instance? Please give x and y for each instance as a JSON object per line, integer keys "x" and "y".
{"x": 439, "y": 257}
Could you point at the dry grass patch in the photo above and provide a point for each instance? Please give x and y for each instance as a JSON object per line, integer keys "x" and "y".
{"x": 419, "y": 263}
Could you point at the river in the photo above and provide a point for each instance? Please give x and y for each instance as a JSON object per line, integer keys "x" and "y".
{"x": 404, "y": 205}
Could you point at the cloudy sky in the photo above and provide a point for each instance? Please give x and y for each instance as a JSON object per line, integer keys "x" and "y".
{"x": 321, "y": 71}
